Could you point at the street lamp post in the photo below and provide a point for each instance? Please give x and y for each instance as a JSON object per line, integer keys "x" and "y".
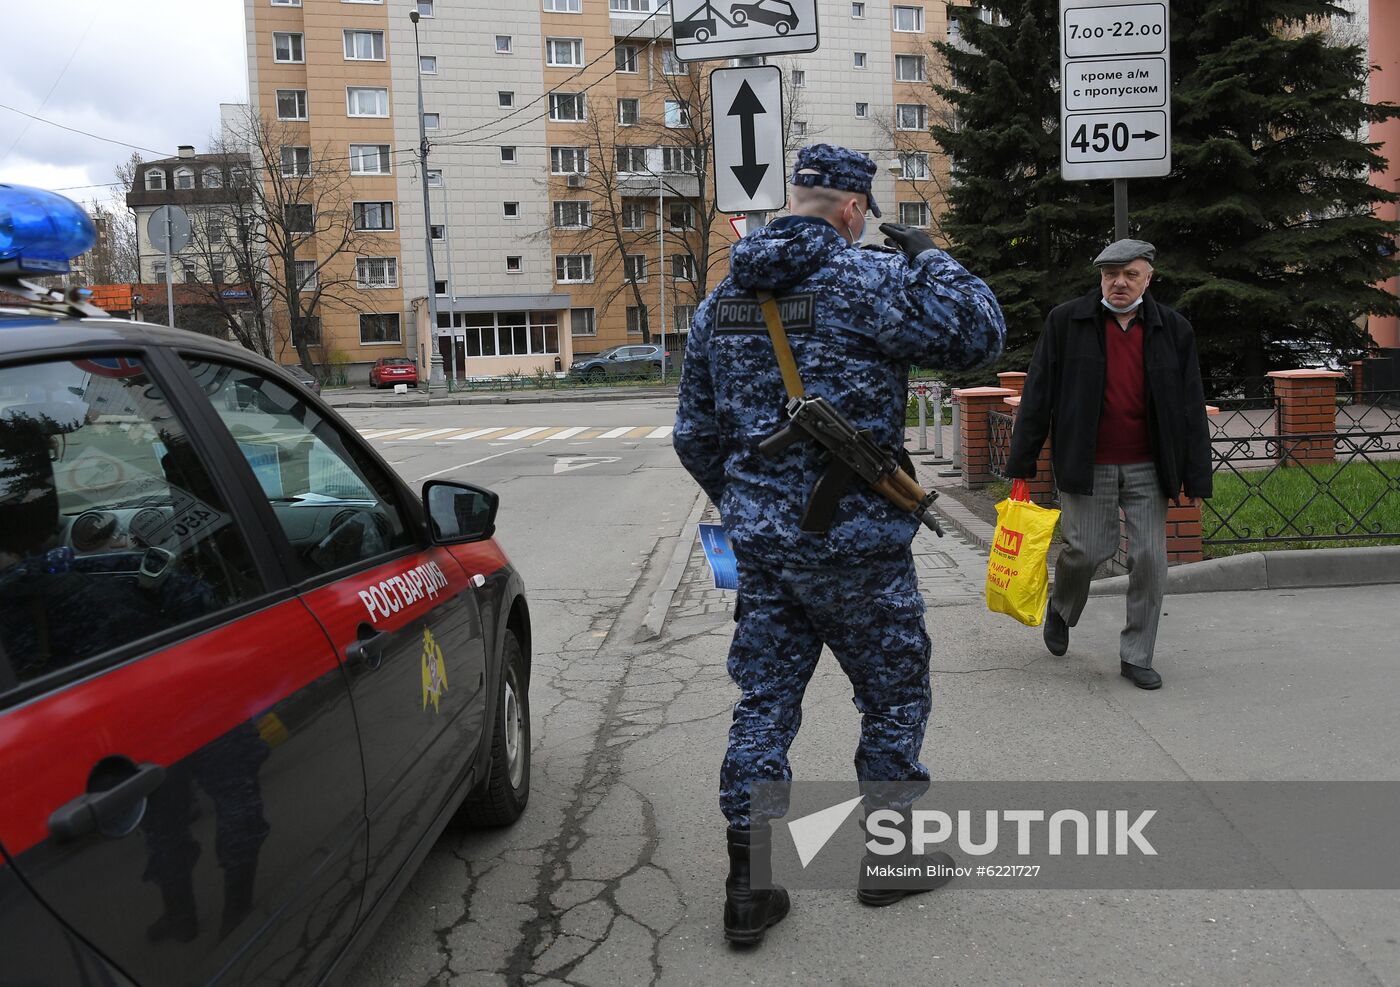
{"x": 451, "y": 294}
{"x": 427, "y": 206}
{"x": 661, "y": 273}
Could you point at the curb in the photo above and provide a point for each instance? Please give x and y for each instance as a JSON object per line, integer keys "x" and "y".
{"x": 1316, "y": 568}
{"x": 661, "y": 600}
{"x": 416, "y": 401}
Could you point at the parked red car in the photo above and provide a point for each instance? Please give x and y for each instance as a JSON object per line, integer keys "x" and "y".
{"x": 390, "y": 370}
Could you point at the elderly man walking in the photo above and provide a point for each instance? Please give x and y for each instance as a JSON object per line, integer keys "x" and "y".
{"x": 1116, "y": 382}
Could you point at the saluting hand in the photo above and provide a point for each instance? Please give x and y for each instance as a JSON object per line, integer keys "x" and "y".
{"x": 913, "y": 242}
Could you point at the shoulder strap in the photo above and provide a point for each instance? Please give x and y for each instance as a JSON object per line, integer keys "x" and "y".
{"x": 791, "y": 379}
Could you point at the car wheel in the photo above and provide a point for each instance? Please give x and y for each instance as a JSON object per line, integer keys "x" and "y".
{"x": 739, "y": 17}
{"x": 702, "y": 35}
{"x": 594, "y": 374}
{"x": 507, "y": 790}
{"x": 783, "y": 28}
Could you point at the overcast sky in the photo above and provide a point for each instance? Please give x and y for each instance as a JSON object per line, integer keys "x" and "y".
{"x": 148, "y": 72}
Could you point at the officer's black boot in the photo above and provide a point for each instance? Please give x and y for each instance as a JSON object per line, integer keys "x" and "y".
{"x": 748, "y": 914}
{"x": 896, "y": 876}
{"x": 238, "y": 896}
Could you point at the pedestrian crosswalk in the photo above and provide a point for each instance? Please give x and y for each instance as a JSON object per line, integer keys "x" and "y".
{"x": 573, "y": 434}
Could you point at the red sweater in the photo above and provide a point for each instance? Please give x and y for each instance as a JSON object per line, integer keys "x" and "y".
{"x": 1123, "y": 433}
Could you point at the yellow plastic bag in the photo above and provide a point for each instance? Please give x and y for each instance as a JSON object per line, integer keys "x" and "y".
{"x": 1018, "y": 583}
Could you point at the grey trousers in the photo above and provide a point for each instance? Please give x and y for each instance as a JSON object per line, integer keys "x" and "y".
{"x": 1089, "y": 525}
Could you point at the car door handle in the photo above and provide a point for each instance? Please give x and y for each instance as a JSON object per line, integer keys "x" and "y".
{"x": 92, "y": 810}
{"x": 367, "y": 648}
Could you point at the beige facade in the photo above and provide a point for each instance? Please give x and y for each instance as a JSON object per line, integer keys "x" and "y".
{"x": 560, "y": 173}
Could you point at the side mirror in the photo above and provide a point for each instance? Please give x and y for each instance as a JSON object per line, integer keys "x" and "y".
{"x": 459, "y": 512}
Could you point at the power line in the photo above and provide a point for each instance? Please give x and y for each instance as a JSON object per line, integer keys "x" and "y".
{"x": 45, "y": 102}
{"x": 85, "y": 133}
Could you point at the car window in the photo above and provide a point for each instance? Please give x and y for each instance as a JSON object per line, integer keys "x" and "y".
{"x": 110, "y": 527}
{"x": 335, "y": 505}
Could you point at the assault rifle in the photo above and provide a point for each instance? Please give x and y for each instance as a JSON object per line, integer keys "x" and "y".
{"x": 854, "y": 455}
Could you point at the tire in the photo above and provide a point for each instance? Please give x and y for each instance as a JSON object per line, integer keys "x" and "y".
{"x": 502, "y": 799}
{"x": 595, "y": 375}
{"x": 782, "y": 28}
{"x": 740, "y": 17}
{"x": 702, "y": 35}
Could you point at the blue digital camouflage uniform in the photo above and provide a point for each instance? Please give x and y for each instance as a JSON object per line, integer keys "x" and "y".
{"x": 857, "y": 320}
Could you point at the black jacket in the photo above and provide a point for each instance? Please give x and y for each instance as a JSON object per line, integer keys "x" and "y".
{"x": 1064, "y": 395}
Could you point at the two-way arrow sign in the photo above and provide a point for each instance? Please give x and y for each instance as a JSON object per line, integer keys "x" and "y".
{"x": 749, "y": 161}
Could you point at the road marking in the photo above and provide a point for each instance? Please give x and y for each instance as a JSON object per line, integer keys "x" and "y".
{"x": 568, "y": 433}
{"x": 571, "y": 463}
{"x": 424, "y": 435}
{"x": 616, "y": 432}
{"x": 524, "y": 433}
{"x": 475, "y": 432}
{"x": 662, "y": 432}
{"x": 463, "y": 466}
{"x": 379, "y": 433}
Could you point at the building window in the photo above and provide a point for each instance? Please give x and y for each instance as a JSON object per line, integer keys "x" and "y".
{"x": 307, "y": 279}
{"x": 685, "y": 315}
{"x": 858, "y": 59}
{"x": 158, "y": 271}
{"x": 634, "y": 267}
{"x": 437, "y": 231}
{"x": 191, "y": 273}
{"x": 682, "y": 267}
{"x": 636, "y": 320}
{"x": 287, "y": 47}
{"x": 431, "y": 121}
{"x": 680, "y": 215}
{"x": 629, "y": 6}
{"x": 374, "y": 215}
{"x": 677, "y": 114}
{"x": 568, "y": 160}
{"x": 299, "y": 218}
{"x": 563, "y": 6}
{"x": 364, "y": 46}
{"x": 634, "y": 215}
{"x": 155, "y": 180}
{"x": 514, "y": 264}
{"x": 629, "y": 112}
{"x": 914, "y": 214}
{"x": 291, "y": 104}
{"x": 216, "y": 270}
{"x": 913, "y": 165}
{"x": 212, "y": 178}
{"x": 573, "y": 268}
{"x": 909, "y": 68}
{"x": 799, "y": 128}
{"x": 380, "y": 327}
{"x": 434, "y": 178}
{"x": 910, "y": 116}
{"x": 799, "y": 79}
{"x": 862, "y": 111}
{"x": 427, "y": 64}
{"x": 369, "y": 159}
{"x": 563, "y": 52}
{"x": 286, "y": 3}
{"x": 573, "y": 214}
{"x": 184, "y": 178}
{"x": 670, "y": 64}
{"x": 630, "y": 160}
{"x": 678, "y": 160}
{"x": 508, "y": 154}
{"x": 425, "y": 8}
{"x": 296, "y": 162}
{"x": 858, "y": 11}
{"x": 909, "y": 19}
{"x": 626, "y": 58}
{"x": 583, "y": 322}
{"x": 510, "y": 210}
{"x": 510, "y": 333}
{"x": 238, "y": 176}
{"x": 366, "y": 101}
{"x": 440, "y": 289}
{"x": 505, "y": 99}
{"x": 566, "y": 107}
{"x": 376, "y": 272}
{"x": 503, "y": 44}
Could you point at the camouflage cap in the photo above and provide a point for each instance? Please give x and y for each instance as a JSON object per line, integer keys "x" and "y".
{"x": 838, "y": 168}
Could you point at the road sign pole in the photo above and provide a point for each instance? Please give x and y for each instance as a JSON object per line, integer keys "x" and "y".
{"x": 169, "y": 269}
{"x": 1120, "y": 209}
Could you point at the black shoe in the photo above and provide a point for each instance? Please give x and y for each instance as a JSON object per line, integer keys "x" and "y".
{"x": 868, "y": 893}
{"x": 1056, "y": 631}
{"x": 749, "y": 914}
{"x": 1143, "y": 678}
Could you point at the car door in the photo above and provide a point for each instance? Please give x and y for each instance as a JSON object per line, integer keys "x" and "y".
{"x": 403, "y": 615}
{"x": 179, "y": 772}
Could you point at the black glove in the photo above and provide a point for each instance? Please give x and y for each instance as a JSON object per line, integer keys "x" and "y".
{"x": 913, "y": 242}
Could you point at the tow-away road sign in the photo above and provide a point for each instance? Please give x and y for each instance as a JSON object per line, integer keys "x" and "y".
{"x": 747, "y": 107}
{"x": 731, "y": 28}
{"x": 1115, "y": 90}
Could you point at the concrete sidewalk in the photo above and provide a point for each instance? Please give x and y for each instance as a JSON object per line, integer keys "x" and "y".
{"x": 1265, "y": 685}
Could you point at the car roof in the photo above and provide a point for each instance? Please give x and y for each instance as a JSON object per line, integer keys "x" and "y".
{"x": 23, "y": 334}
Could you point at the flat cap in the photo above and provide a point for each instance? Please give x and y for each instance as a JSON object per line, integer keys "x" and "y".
{"x": 1123, "y": 251}
{"x": 838, "y": 168}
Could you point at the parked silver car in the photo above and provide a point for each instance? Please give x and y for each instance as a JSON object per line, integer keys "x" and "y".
{"x": 635, "y": 360}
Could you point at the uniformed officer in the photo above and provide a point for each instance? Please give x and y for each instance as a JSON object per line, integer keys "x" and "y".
{"x": 857, "y": 320}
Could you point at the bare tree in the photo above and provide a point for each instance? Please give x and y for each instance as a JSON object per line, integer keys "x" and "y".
{"x": 123, "y": 245}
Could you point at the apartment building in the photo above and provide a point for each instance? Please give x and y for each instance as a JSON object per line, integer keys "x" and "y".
{"x": 572, "y": 208}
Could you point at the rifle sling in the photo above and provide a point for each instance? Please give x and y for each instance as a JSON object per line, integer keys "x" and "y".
{"x": 791, "y": 379}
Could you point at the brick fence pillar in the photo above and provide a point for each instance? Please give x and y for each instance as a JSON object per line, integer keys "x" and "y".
{"x": 1042, "y": 488}
{"x": 1358, "y": 379}
{"x": 1012, "y": 380}
{"x": 1307, "y": 405}
{"x": 974, "y": 404}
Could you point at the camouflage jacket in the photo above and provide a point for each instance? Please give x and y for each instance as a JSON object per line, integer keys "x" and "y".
{"x": 857, "y": 320}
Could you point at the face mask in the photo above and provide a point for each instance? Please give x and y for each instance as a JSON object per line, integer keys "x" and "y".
{"x": 1125, "y": 309}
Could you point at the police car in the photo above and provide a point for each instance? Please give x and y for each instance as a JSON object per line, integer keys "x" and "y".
{"x": 246, "y": 675}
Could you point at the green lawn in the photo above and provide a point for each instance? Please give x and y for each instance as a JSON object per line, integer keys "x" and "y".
{"x": 1303, "y": 500}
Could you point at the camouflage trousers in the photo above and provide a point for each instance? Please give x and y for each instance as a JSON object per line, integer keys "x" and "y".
{"x": 872, "y": 618}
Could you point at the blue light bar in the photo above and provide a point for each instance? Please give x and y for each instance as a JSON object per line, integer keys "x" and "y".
{"x": 40, "y": 232}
